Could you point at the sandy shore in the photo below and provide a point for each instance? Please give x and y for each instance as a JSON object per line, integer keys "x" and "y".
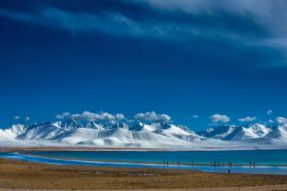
{"x": 246, "y": 188}
{"x": 17, "y": 175}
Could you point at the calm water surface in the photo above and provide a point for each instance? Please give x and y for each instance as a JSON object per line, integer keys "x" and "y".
{"x": 266, "y": 162}
{"x": 260, "y": 157}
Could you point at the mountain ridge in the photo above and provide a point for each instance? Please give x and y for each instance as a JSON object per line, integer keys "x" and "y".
{"x": 140, "y": 134}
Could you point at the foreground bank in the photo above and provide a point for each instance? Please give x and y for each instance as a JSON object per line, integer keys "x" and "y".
{"x": 25, "y": 175}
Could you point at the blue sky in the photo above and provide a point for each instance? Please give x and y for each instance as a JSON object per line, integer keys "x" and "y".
{"x": 185, "y": 58}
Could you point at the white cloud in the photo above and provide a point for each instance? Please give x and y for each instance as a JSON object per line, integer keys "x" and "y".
{"x": 281, "y": 120}
{"x": 27, "y": 118}
{"x": 17, "y": 117}
{"x": 219, "y": 118}
{"x": 89, "y": 116}
{"x": 269, "y": 15}
{"x": 269, "y": 112}
{"x": 247, "y": 119}
{"x": 152, "y": 117}
{"x": 119, "y": 116}
{"x": 121, "y": 25}
{"x": 195, "y": 116}
{"x": 63, "y": 115}
{"x": 111, "y": 23}
{"x": 270, "y": 121}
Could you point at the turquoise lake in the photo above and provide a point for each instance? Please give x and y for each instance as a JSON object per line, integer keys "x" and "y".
{"x": 253, "y": 162}
{"x": 260, "y": 157}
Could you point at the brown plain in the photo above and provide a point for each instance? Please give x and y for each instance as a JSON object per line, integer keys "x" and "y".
{"x": 33, "y": 176}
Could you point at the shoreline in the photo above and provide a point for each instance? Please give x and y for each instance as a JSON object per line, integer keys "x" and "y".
{"x": 34, "y": 176}
{"x": 207, "y": 168}
{"x": 94, "y": 149}
{"x": 170, "y": 163}
{"x": 28, "y": 150}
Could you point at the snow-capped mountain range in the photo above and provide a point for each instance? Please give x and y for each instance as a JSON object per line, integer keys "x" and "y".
{"x": 155, "y": 135}
{"x": 256, "y": 132}
{"x": 160, "y": 132}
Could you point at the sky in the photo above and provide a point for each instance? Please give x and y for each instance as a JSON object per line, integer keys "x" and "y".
{"x": 198, "y": 61}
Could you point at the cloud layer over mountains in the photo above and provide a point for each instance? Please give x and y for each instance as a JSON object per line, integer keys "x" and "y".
{"x": 148, "y": 117}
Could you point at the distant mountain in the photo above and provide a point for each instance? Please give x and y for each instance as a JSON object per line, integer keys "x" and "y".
{"x": 119, "y": 134}
{"x": 138, "y": 134}
{"x": 278, "y": 134}
{"x": 12, "y": 133}
{"x": 254, "y": 133}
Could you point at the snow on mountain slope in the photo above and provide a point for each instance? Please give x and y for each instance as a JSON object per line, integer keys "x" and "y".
{"x": 46, "y": 131}
{"x": 218, "y": 132}
{"x": 253, "y": 131}
{"x": 8, "y": 137}
{"x": 12, "y": 132}
{"x": 147, "y": 130}
{"x": 122, "y": 137}
{"x": 119, "y": 134}
{"x": 179, "y": 132}
{"x": 237, "y": 133}
{"x": 278, "y": 134}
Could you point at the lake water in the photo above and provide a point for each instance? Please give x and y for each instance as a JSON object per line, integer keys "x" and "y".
{"x": 266, "y": 161}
